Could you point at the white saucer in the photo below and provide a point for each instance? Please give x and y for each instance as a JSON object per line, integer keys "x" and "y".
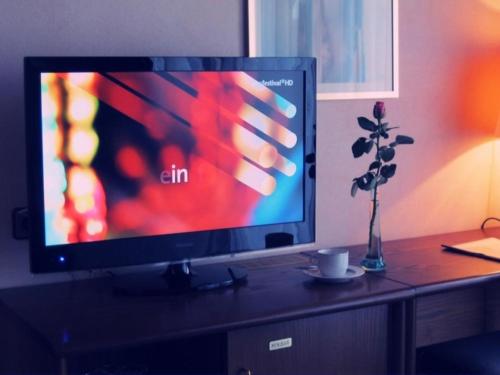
{"x": 352, "y": 273}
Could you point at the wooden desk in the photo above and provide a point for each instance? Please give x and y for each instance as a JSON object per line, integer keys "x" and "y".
{"x": 68, "y": 326}
{"x": 425, "y": 296}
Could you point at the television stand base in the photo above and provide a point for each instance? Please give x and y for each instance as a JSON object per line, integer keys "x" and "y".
{"x": 179, "y": 278}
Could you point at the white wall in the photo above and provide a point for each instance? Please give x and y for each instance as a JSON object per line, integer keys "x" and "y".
{"x": 449, "y": 101}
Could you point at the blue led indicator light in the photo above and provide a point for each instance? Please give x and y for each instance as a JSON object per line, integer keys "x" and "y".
{"x": 65, "y": 336}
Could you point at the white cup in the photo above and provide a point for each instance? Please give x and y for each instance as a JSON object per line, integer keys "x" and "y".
{"x": 333, "y": 262}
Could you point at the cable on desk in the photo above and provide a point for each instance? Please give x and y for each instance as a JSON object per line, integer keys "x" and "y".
{"x": 488, "y": 219}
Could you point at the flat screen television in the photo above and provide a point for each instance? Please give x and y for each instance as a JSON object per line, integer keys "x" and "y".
{"x": 137, "y": 160}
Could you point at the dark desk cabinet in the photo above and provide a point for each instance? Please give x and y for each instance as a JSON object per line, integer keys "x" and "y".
{"x": 346, "y": 342}
{"x": 349, "y": 342}
{"x": 77, "y": 328}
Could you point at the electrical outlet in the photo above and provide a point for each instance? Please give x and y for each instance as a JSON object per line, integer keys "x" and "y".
{"x": 20, "y": 223}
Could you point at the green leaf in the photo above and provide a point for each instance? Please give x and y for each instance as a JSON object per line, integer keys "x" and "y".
{"x": 393, "y": 144}
{"x": 358, "y": 147}
{"x": 382, "y": 180}
{"x": 385, "y": 127}
{"x": 374, "y": 165}
{"x": 388, "y": 171}
{"x": 404, "y": 140}
{"x": 367, "y": 124}
{"x": 364, "y": 182}
{"x": 387, "y": 153}
{"x": 354, "y": 188}
{"x": 368, "y": 147}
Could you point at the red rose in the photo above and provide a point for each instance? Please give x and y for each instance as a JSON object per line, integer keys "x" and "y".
{"x": 379, "y": 110}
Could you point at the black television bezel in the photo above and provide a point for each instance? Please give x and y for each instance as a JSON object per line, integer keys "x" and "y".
{"x": 148, "y": 250}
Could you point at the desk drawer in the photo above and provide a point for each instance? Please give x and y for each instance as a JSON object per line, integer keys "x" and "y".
{"x": 450, "y": 315}
{"x": 350, "y": 342}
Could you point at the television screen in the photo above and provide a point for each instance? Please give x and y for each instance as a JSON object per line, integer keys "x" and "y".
{"x": 129, "y": 152}
{"x": 148, "y": 153}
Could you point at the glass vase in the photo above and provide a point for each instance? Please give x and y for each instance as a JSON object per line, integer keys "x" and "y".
{"x": 374, "y": 260}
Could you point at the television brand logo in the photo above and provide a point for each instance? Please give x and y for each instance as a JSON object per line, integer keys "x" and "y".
{"x": 280, "y": 82}
{"x": 174, "y": 176}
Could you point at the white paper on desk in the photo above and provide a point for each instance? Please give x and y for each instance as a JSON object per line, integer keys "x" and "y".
{"x": 487, "y": 247}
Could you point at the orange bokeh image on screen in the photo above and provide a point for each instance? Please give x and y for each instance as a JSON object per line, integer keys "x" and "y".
{"x": 159, "y": 153}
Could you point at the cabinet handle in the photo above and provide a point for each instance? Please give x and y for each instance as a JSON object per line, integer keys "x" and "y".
{"x": 244, "y": 371}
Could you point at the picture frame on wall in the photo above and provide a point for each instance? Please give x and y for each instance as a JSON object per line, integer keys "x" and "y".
{"x": 355, "y": 42}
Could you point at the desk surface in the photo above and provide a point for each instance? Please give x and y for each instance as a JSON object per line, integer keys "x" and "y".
{"x": 422, "y": 263}
{"x": 85, "y": 315}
